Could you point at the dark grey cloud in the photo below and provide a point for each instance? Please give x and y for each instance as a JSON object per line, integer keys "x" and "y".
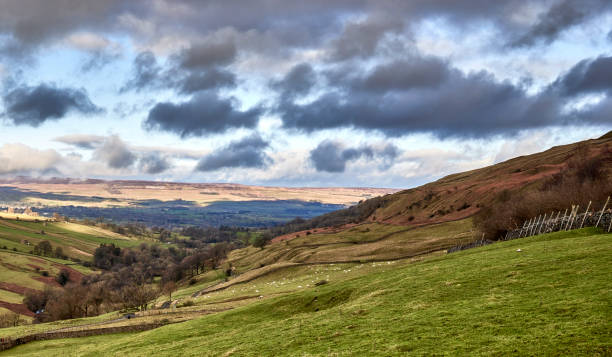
{"x": 115, "y": 153}
{"x": 360, "y": 39}
{"x": 404, "y": 74}
{"x": 559, "y": 17}
{"x": 298, "y": 81}
{"x": 205, "y": 113}
{"x": 461, "y": 105}
{"x": 35, "y": 22}
{"x": 281, "y": 25}
{"x": 331, "y": 156}
{"x": 82, "y": 141}
{"x": 207, "y": 54}
{"x": 588, "y": 76}
{"x": 210, "y": 79}
{"x": 25, "y": 105}
{"x": 154, "y": 163}
{"x": 187, "y": 72}
{"x": 146, "y": 73}
{"x": 245, "y": 153}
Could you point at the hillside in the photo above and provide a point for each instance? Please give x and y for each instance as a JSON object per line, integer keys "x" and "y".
{"x": 550, "y": 298}
{"x": 22, "y": 271}
{"x": 459, "y": 196}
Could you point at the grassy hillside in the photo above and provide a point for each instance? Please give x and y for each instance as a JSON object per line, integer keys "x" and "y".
{"x": 366, "y": 242}
{"x": 551, "y": 298}
{"x": 77, "y": 241}
{"x": 21, "y": 271}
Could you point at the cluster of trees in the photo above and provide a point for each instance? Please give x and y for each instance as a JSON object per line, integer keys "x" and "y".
{"x": 215, "y": 235}
{"x": 44, "y": 248}
{"x": 585, "y": 177}
{"x": 130, "y": 279}
{"x": 10, "y": 319}
{"x": 198, "y": 236}
{"x": 81, "y": 300}
{"x": 353, "y": 214}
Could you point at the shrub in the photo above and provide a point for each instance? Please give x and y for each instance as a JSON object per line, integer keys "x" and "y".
{"x": 63, "y": 277}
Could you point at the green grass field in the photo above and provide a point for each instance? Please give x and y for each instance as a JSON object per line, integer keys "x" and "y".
{"x": 77, "y": 241}
{"x": 362, "y": 243}
{"x": 551, "y": 298}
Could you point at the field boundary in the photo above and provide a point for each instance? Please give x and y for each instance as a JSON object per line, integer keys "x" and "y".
{"x": 8, "y": 343}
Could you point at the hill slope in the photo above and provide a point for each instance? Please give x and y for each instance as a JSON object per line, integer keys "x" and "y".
{"x": 551, "y": 298}
{"x": 462, "y": 195}
{"x": 22, "y": 271}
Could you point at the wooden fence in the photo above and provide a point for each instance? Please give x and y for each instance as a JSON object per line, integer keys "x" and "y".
{"x": 571, "y": 218}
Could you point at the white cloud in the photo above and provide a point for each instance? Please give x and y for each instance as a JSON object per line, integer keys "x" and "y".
{"x": 22, "y": 159}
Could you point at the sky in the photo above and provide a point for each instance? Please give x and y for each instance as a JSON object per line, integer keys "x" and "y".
{"x": 374, "y": 93}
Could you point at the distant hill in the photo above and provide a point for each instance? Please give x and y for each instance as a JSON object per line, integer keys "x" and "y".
{"x": 178, "y": 204}
{"x": 101, "y": 193}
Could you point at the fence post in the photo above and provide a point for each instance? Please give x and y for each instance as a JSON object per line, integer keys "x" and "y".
{"x": 549, "y": 222}
{"x": 602, "y": 211}
{"x": 566, "y": 225}
{"x": 535, "y": 226}
{"x": 526, "y": 228}
{"x": 542, "y": 224}
{"x": 585, "y": 214}
{"x": 573, "y": 217}
{"x": 554, "y": 222}
{"x": 530, "y": 228}
{"x": 562, "y": 220}
{"x": 569, "y": 218}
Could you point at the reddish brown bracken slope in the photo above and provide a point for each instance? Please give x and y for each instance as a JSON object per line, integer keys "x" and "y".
{"x": 462, "y": 195}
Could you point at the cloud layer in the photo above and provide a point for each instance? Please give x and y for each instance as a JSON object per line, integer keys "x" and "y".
{"x": 277, "y": 90}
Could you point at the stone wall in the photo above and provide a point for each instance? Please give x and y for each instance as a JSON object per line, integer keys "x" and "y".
{"x": 6, "y": 343}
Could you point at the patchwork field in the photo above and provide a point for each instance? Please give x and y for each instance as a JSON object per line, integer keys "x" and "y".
{"x": 20, "y": 270}
{"x": 551, "y": 297}
{"x": 77, "y": 241}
